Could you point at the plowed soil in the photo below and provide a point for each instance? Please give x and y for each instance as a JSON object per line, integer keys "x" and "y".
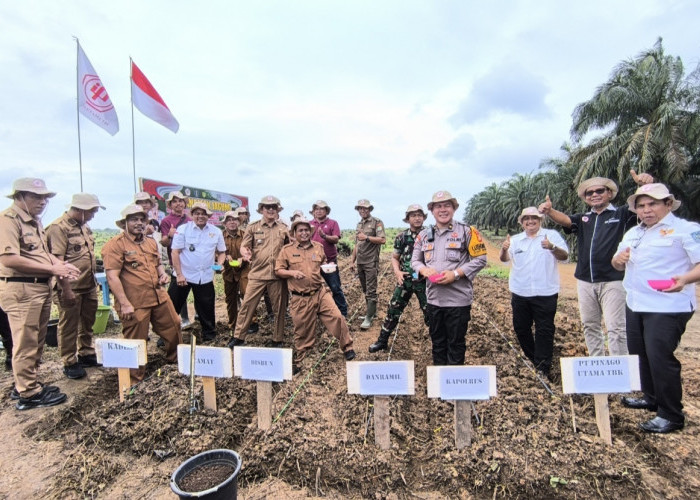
{"x": 525, "y": 443}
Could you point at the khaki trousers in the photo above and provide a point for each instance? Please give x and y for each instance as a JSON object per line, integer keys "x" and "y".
{"x": 598, "y": 301}
{"x": 166, "y": 324}
{"x": 28, "y": 307}
{"x": 306, "y": 311}
{"x": 75, "y": 327}
{"x": 255, "y": 289}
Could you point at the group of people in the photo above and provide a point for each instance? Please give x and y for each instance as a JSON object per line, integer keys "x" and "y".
{"x": 295, "y": 269}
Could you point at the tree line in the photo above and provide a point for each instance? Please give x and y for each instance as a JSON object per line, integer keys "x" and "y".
{"x": 646, "y": 117}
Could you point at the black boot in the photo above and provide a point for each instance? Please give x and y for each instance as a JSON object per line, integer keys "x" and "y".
{"x": 382, "y": 343}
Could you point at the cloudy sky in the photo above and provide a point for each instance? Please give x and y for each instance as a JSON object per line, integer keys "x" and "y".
{"x": 389, "y": 100}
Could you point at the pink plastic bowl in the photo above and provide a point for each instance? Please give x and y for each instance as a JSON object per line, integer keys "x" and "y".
{"x": 661, "y": 284}
{"x": 436, "y": 277}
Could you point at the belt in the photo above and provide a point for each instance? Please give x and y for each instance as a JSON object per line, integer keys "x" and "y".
{"x": 306, "y": 294}
{"x": 23, "y": 279}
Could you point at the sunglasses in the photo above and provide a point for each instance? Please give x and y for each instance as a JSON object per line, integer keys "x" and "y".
{"x": 269, "y": 207}
{"x": 596, "y": 191}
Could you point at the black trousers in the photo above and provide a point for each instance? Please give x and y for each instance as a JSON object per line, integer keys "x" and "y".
{"x": 204, "y": 304}
{"x": 183, "y": 312}
{"x": 448, "y": 330}
{"x": 539, "y": 310}
{"x": 654, "y": 337}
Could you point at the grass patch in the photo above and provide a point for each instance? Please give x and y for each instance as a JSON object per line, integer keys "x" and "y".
{"x": 496, "y": 271}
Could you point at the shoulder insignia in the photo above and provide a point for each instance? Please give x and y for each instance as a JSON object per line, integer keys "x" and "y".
{"x": 476, "y": 243}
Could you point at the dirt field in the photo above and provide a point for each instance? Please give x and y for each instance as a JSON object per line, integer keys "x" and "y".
{"x": 322, "y": 441}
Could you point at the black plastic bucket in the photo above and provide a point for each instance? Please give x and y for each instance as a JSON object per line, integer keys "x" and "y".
{"x": 52, "y": 333}
{"x": 228, "y": 489}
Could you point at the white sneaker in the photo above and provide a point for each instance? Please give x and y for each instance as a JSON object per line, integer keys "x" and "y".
{"x": 185, "y": 324}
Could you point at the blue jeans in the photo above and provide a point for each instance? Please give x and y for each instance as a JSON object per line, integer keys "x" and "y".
{"x": 333, "y": 282}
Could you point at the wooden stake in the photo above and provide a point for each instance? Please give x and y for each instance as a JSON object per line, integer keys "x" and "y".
{"x": 382, "y": 423}
{"x": 463, "y": 424}
{"x": 209, "y": 393}
{"x": 124, "y": 382}
{"x": 602, "y": 417}
{"x": 264, "y": 405}
{"x": 573, "y": 414}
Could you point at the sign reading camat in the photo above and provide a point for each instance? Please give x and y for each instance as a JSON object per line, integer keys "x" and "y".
{"x": 600, "y": 374}
{"x": 470, "y": 383}
{"x": 381, "y": 378}
{"x": 208, "y": 361}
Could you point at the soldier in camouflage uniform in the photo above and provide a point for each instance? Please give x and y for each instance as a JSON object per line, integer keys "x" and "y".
{"x": 407, "y": 285}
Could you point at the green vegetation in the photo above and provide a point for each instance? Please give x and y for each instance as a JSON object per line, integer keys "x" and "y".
{"x": 102, "y": 236}
{"x": 496, "y": 271}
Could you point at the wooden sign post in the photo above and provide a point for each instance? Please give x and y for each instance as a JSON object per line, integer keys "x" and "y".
{"x": 381, "y": 379}
{"x": 600, "y": 376}
{"x": 209, "y": 363}
{"x": 264, "y": 365}
{"x": 122, "y": 354}
{"x": 463, "y": 384}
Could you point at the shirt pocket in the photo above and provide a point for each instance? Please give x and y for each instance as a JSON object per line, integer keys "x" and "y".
{"x": 30, "y": 242}
{"x": 131, "y": 260}
{"x": 452, "y": 255}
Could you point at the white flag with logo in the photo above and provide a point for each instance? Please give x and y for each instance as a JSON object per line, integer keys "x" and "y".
{"x": 93, "y": 100}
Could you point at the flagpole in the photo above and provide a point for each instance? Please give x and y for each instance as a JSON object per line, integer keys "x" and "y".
{"x": 133, "y": 142}
{"x": 77, "y": 109}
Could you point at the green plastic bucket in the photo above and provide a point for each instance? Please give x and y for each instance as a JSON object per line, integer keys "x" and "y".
{"x": 101, "y": 319}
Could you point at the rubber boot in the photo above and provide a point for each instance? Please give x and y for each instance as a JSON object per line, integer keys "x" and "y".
{"x": 371, "y": 311}
{"x": 382, "y": 343}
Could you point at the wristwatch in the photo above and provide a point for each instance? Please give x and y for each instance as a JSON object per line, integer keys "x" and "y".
{"x": 456, "y": 275}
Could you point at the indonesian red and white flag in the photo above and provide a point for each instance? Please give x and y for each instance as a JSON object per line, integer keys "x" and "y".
{"x": 148, "y": 101}
{"x": 93, "y": 100}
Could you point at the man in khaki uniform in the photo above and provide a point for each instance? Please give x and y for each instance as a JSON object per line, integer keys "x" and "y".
{"x": 243, "y": 218}
{"x": 365, "y": 256}
{"x": 261, "y": 244}
{"x": 136, "y": 277}
{"x": 26, "y": 271}
{"x": 300, "y": 264}
{"x": 70, "y": 239}
{"x": 235, "y": 271}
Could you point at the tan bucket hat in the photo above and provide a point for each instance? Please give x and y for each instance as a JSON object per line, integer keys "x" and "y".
{"x": 174, "y": 194}
{"x": 301, "y": 220}
{"x": 364, "y": 204}
{"x": 201, "y": 206}
{"x": 596, "y": 181}
{"x": 144, "y": 196}
{"x": 85, "y": 201}
{"x": 231, "y": 213}
{"x": 529, "y": 211}
{"x": 132, "y": 209}
{"x": 320, "y": 204}
{"x": 296, "y": 214}
{"x": 657, "y": 191}
{"x": 30, "y": 185}
{"x": 270, "y": 200}
{"x": 241, "y": 210}
{"x": 441, "y": 196}
{"x": 414, "y": 208}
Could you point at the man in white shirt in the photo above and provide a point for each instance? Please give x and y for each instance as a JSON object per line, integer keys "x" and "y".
{"x": 195, "y": 247}
{"x": 534, "y": 285}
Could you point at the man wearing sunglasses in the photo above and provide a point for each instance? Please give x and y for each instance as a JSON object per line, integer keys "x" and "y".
{"x": 599, "y": 231}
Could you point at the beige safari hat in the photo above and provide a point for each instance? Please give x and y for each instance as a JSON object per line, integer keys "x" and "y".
{"x": 296, "y": 214}
{"x": 657, "y": 191}
{"x": 174, "y": 194}
{"x": 414, "y": 208}
{"x": 270, "y": 200}
{"x": 529, "y": 211}
{"x": 132, "y": 209}
{"x": 301, "y": 220}
{"x": 201, "y": 206}
{"x": 364, "y": 204}
{"x": 144, "y": 196}
{"x": 441, "y": 196}
{"x": 241, "y": 210}
{"x": 320, "y": 204}
{"x": 85, "y": 201}
{"x": 30, "y": 185}
{"x": 596, "y": 181}
{"x": 231, "y": 213}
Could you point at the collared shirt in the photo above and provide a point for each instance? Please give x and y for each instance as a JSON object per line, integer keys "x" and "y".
{"x": 198, "y": 249}
{"x": 74, "y": 243}
{"x": 331, "y": 228}
{"x": 172, "y": 220}
{"x": 669, "y": 248}
{"x": 447, "y": 249}
{"x": 308, "y": 260}
{"x": 21, "y": 234}
{"x": 403, "y": 248}
{"x": 597, "y": 237}
{"x": 233, "y": 249}
{"x": 137, "y": 263}
{"x": 534, "y": 270}
{"x": 265, "y": 242}
{"x": 368, "y": 253}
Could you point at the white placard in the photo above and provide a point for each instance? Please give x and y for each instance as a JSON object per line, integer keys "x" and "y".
{"x": 121, "y": 353}
{"x": 600, "y": 374}
{"x": 208, "y": 361}
{"x": 262, "y": 363}
{"x": 469, "y": 383}
{"x": 381, "y": 378}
